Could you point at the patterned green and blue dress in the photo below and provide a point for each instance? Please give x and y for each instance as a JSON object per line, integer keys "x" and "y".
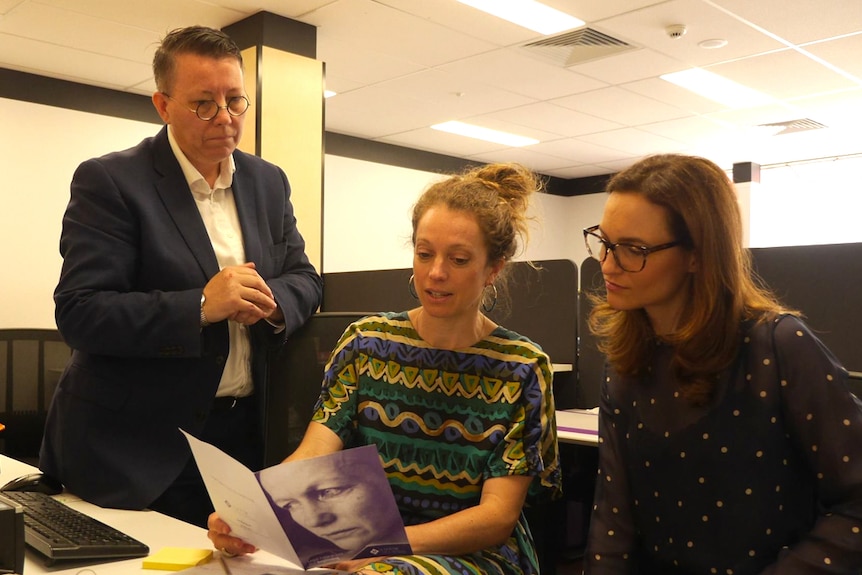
{"x": 444, "y": 421}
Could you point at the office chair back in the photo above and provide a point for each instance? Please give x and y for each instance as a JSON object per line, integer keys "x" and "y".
{"x": 295, "y": 378}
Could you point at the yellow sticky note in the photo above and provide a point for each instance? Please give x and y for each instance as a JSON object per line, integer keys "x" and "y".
{"x": 177, "y": 558}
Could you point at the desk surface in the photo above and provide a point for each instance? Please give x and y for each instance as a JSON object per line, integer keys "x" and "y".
{"x": 157, "y": 531}
{"x": 578, "y": 426}
{"x": 152, "y": 528}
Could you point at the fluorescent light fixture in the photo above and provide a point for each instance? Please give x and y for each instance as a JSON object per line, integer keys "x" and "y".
{"x": 328, "y": 93}
{"x": 462, "y": 129}
{"x": 528, "y": 13}
{"x": 717, "y": 88}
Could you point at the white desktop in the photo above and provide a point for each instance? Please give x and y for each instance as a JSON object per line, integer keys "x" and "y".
{"x": 157, "y": 531}
{"x": 580, "y": 426}
{"x": 153, "y": 529}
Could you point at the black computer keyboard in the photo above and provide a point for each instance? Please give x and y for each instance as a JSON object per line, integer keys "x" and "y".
{"x": 59, "y": 532}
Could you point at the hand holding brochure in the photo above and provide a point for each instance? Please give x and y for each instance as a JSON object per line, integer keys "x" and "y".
{"x": 311, "y": 512}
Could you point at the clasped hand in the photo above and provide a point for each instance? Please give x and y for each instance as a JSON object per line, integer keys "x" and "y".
{"x": 238, "y": 293}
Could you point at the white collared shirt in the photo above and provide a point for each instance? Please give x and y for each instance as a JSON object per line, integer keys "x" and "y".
{"x": 218, "y": 211}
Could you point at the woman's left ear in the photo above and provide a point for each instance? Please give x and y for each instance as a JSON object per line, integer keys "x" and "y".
{"x": 495, "y": 271}
{"x": 692, "y": 263}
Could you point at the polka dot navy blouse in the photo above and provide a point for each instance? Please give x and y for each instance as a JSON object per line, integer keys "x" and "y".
{"x": 766, "y": 479}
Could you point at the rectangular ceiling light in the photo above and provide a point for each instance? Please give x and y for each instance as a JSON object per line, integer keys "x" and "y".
{"x": 486, "y": 134}
{"x": 717, "y": 88}
{"x": 528, "y": 13}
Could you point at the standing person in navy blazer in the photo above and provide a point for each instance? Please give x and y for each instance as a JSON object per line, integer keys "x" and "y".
{"x": 182, "y": 266}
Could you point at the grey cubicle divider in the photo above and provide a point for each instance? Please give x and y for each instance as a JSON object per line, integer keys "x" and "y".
{"x": 543, "y": 308}
{"x": 590, "y": 361}
{"x": 821, "y": 281}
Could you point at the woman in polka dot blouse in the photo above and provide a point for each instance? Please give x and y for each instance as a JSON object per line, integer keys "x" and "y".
{"x": 729, "y": 441}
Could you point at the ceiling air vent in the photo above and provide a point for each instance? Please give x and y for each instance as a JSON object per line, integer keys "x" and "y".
{"x": 791, "y": 126}
{"x": 577, "y": 47}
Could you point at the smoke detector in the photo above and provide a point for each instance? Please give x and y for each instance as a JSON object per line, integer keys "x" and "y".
{"x": 676, "y": 31}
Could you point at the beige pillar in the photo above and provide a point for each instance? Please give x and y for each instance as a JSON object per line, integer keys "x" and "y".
{"x": 285, "y": 84}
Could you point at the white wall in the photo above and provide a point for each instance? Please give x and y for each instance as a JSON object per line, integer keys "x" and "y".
{"x": 808, "y": 204}
{"x": 367, "y": 211}
{"x": 42, "y": 146}
{"x": 366, "y": 206}
{"x": 366, "y": 214}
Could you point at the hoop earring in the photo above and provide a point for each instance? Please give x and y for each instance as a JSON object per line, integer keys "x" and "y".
{"x": 490, "y": 308}
{"x": 411, "y": 288}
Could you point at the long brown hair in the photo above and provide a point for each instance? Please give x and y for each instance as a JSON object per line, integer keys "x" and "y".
{"x": 724, "y": 291}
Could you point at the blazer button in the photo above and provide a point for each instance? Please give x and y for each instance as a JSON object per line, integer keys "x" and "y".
{"x": 200, "y": 416}
{"x": 219, "y": 360}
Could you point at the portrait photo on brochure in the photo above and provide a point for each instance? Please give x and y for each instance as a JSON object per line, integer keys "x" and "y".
{"x": 311, "y": 512}
{"x": 336, "y": 507}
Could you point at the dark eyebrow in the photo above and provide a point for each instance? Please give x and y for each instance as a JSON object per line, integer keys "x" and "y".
{"x": 624, "y": 240}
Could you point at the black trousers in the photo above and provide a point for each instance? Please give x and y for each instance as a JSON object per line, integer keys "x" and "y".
{"x": 233, "y": 427}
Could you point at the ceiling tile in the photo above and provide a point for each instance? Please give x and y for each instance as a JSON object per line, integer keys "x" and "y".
{"x": 618, "y": 105}
{"x": 799, "y": 21}
{"x": 580, "y": 171}
{"x": 687, "y": 129}
{"x": 384, "y": 30}
{"x": 844, "y": 53}
{"x": 466, "y": 20}
{"x": 345, "y": 113}
{"x": 633, "y": 141}
{"x": 630, "y": 66}
{"x": 782, "y": 75}
{"x": 434, "y": 140}
{"x": 525, "y": 156}
{"x": 157, "y": 16}
{"x": 84, "y": 33}
{"x": 592, "y": 10}
{"x": 345, "y": 59}
{"x": 838, "y": 109}
{"x": 647, "y": 27}
{"x": 580, "y": 151}
{"x": 402, "y": 65}
{"x": 664, "y": 91}
{"x": 522, "y": 74}
{"x": 554, "y": 119}
{"x": 69, "y": 64}
{"x": 458, "y": 96}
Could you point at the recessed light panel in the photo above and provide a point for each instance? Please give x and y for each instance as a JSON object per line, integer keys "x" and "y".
{"x": 717, "y": 88}
{"x": 527, "y": 13}
{"x": 486, "y": 134}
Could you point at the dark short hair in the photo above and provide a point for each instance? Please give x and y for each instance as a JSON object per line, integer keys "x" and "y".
{"x": 199, "y": 40}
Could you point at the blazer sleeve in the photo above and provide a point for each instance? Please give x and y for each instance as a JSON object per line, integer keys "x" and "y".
{"x": 130, "y": 285}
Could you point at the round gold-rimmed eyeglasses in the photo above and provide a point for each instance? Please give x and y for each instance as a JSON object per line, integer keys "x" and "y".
{"x": 206, "y": 110}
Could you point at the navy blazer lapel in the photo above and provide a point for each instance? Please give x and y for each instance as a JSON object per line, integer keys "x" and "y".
{"x": 245, "y": 197}
{"x": 180, "y": 204}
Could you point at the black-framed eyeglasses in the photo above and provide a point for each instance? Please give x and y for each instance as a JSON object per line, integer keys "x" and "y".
{"x": 206, "y": 110}
{"x": 630, "y": 257}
